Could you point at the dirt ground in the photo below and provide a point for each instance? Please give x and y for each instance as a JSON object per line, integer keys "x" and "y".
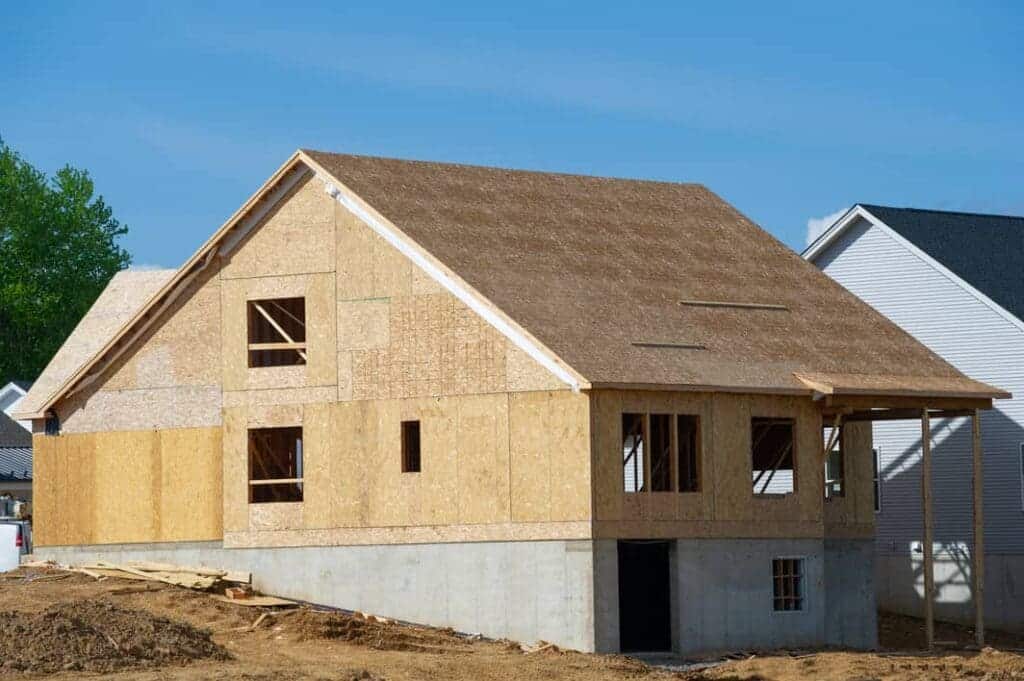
{"x": 64, "y": 626}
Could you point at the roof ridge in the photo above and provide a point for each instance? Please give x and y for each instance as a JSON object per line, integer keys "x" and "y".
{"x": 869, "y": 206}
{"x": 530, "y": 171}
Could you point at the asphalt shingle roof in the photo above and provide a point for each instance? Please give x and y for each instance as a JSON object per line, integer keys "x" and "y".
{"x": 986, "y": 251}
{"x": 12, "y": 434}
{"x": 15, "y": 464}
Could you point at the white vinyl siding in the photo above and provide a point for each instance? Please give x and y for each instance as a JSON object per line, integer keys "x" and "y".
{"x": 979, "y": 342}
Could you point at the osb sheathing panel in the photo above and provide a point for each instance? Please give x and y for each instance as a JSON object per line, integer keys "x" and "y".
{"x": 726, "y": 503}
{"x": 856, "y": 508}
{"x": 400, "y": 334}
{"x": 189, "y": 406}
{"x": 472, "y": 448}
{"x": 119, "y": 487}
{"x": 169, "y": 378}
{"x": 296, "y": 238}
{"x": 320, "y": 369}
{"x": 183, "y": 348}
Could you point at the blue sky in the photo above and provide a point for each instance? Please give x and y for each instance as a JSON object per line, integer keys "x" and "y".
{"x": 789, "y": 111}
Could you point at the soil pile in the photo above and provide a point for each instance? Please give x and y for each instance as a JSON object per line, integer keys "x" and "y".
{"x": 370, "y": 632}
{"x": 96, "y": 636}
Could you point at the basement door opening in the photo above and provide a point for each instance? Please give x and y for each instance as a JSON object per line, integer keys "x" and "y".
{"x": 645, "y": 604}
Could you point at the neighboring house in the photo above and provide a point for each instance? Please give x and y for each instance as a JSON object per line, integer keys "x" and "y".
{"x": 954, "y": 282}
{"x": 11, "y": 396}
{"x": 530, "y": 405}
{"x": 15, "y": 459}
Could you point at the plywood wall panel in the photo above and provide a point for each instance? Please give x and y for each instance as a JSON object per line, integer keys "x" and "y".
{"x": 191, "y": 481}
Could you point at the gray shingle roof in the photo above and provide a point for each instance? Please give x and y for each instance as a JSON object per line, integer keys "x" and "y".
{"x": 12, "y": 434}
{"x": 15, "y": 464}
{"x": 986, "y": 251}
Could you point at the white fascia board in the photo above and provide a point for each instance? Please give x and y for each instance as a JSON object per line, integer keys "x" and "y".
{"x": 826, "y": 238}
{"x": 832, "y": 233}
{"x": 456, "y": 288}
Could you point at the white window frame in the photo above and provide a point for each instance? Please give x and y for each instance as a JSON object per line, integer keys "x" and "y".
{"x": 876, "y": 480}
{"x": 1020, "y": 462}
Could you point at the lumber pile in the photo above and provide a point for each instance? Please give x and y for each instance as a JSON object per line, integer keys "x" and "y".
{"x": 201, "y": 578}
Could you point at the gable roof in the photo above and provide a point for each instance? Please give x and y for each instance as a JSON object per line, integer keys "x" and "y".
{"x": 124, "y": 295}
{"x": 987, "y": 251}
{"x": 596, "y": 269}
{"x": 12, "y": 434}
{"x": 589, "y": 275}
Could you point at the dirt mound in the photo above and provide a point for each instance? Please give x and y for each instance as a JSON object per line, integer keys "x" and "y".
{"x": 96, "y": 636}
{"x": 370, "y": 632}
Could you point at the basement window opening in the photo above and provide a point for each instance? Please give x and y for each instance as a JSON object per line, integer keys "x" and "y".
{"x": 277, "y": 332}
{"x": 772, "y": 456}
{"x": 787, "y": 584}
{"x": 275, "y": 465}
{"x": 688, "y": 438}
{"x": 661, "y": 452}
{"x": 410, "y": 446}
{"x": 835, "y": 466}
{"x": 633, "y": 452}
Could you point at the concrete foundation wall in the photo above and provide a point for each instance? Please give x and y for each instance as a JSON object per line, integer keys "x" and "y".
{"x": 851, "y": 616}
{"x": 724, "y": 595}
{"x": 900, "y": 587}
{"x": 525, "y": 591}
{"x": 721, "y": 592}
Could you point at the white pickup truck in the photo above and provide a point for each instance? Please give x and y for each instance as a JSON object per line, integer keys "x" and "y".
{"x": 10, "y": 552}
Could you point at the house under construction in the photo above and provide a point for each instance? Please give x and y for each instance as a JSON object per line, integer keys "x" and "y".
{"x": 592, "y": 411}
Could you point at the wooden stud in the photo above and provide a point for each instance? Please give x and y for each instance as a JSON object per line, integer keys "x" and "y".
{"x": 277, "y": 327}
{"x": 978, "y": 554}
{"x": 926, "y": 500}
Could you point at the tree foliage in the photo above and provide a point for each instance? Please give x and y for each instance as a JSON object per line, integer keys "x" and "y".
{"x": 58, "y": 249}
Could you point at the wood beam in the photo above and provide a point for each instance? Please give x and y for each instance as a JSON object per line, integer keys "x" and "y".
{"x": 905, "y": 414}
{"x": 858, "y": 402}
{"x": 926, "y": 502}
{"x": 978, "y": 553}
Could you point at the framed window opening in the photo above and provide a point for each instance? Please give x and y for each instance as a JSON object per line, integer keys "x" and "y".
{"x": 634, "y": 433}
{"x": 688, "y": 439}
{"x": 660, "y": 452}
{"x": 275, "y": 465}
{"x": 276, "y": 332}
{"x": 411, "y": 447}
{"x": 773, "y": 455}
{"x": 835, "y": 464}
{"x": 788, "y": 584}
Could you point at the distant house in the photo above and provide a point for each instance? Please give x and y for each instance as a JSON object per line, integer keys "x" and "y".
{"x": 954, "y": 282}
{"x": 15, "y": 459}
{"x": 11, "y": 396}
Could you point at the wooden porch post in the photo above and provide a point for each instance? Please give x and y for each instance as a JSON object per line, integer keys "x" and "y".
{"x": 978, "y": 554}
{"x": 926, "y": 500}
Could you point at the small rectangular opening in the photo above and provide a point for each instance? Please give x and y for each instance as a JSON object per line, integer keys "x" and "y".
{"x": 835, "y": 466}
{"x": 277, "y": 332}
{"x": 410, "y": 446}
{"x": 876, "y": 479}
{"x": 688, "y": 435}
{"x": 661, "y": 452}
{"x": 275, "y": 465}
{"x": 787, "y": 584}
{"x": 633, "y": 452}
{"x": 772, "y": 456}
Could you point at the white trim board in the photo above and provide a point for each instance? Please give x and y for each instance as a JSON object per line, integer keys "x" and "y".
{"x": 823, "y": 242}
{"x": 471, "y": 299}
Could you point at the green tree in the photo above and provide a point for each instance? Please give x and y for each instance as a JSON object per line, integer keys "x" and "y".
{"x": 58, "y": 249}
